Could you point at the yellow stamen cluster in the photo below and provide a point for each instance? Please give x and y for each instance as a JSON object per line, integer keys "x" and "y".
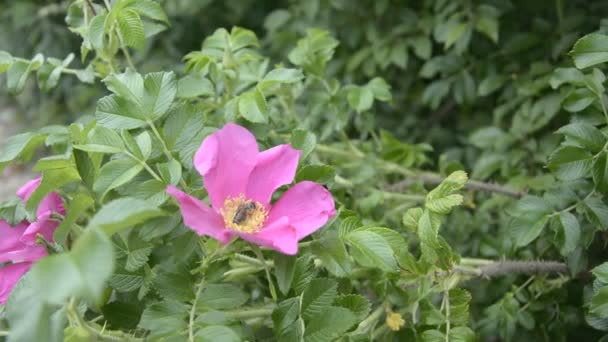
{"x": 394, "y": 321}
{"x": 250, "y": 220}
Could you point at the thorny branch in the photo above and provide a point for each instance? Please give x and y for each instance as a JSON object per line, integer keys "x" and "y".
{"x": 505, "y": 267}
{"x": 433, "y": 179}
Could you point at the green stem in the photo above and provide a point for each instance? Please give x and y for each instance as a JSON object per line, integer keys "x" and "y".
{"x": 121, "y": 41}
{"x": 146, "y": 166}
{"x": 260, "y": 255}
{"x": 305, "y": 243}
{"x": 4, "y": 333}
{"x": 251, "y": 313}
{"x": 75, "y": 320}
{"x": 446, "y": 298}
{"x": 367, "y": 323}
{"x": 251, "y": 261}
{"x": 166, "y": 151}
{"x": 193, "y": 310}
{"x": 402, "y": 197}
{"x": 475, "y": 261}
{"x": 241, "y": 271}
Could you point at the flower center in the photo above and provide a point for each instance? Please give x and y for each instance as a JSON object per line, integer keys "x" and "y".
{"x": 243, "y": 215}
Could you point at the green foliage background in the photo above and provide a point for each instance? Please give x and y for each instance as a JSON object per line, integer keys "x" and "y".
{"x": 386, "y": 99}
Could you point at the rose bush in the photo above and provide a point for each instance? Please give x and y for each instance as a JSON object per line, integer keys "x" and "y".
{"x": 428, "y": 171}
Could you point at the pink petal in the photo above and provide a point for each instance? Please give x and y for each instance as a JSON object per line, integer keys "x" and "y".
{"x": 9, "y": 276}
{"x": 10, "y": 237}
{"x": 199, "y": 217}
{"x": 225, "y": 160}
{"x": 25, "y": 253}
{"x": 44, "y": 226}
{"x": 275, "y": 167}
{"x": 307, "y": 205}
{"x": 28, "y": 189}
{"x": 51, "y": 203}
{"x": 280, "y": 235}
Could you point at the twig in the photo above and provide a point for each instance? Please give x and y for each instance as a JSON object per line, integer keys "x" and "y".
{"x": 434, "y": 179}
{"x": 522, "y": 267}
{"x": 445, "y": 108}
{"x": 90, "y": 6}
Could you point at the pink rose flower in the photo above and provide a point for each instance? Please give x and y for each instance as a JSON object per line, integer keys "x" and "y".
{"x": 18, "y": 248}
{"x": 240, "y": 181}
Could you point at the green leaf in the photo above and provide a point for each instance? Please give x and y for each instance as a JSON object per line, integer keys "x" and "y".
{"x": 12, "y": 211}
{"x": 530, "y": 216}
{"x": 459, "y": 306}
{"x": 422, "y": 46}
{"x": 370, "y": 249}
{"x": 601, "y": 272}
{"x": 590, "y": 50}
{"x": 25, "y": 310}
{"x": 222, "y": 297}
{"x": 118, "y": 113}
{"x": 568, "y": 232}
{"x": 131, "y": 27}
{"x": 128, "y": 85}
{"x": 167, "y": 318}
{"x": 52, "y": 179}
{"x": 150, "y": 9}
{"x": 596, "y": 211}
{"x": 411, "y": 218}
{"x": 317, "y": 173}
{"x": 578, "y": 99}
{"x": 462, "y": 334}
{"x": 81, "y": 272}
{"x": 138, "y": 252}
{"x": 595, "y": 83}
{"x": 444, "y": 205}
{"x": 103, "y": 140}
{"x": 433, "y": 336}
{"x": 160, "y": 90}
{"x": 488, "y": 25}
{"x": 253, "y": 106}
{"x": 357, "y": 304}
{"x": 19, "y": 71}
{"x": 304, "y": 141}
{"x": 123, "y": 213}
{"x": 360, "y": 99}
{"x": 600, "y": 172}
{"x": 77, "y": 206}
{"x": 281, "y": 75}
{"x": 569, "y": 163}
{"x": 317, "y": 297}
{"x": 5, "y": 61}
{"x": 170, "y": 172}
{"x": 599, "y": 302}
{"x": 21, "y": 145}
{"x": 96, "y": 31}
{"x": 126, "y": 281}
{"x": 454, "y": 182}
{"x": 216, "y": 333}
{"x": 454, "y": 33}
{"x": 333, "y": 255}
{"x": 144, "y": 142}
{"x": 329, "y": 324}
{"x": 586, "y": 135}
{"x": 490, "y": 84}
{"x": 193, "y": 85}
{"x": 287, "y": 324}
{"x": 428, "y": 231}
{"x": 380, "y": 89}
{"x": 284, "y": 268}
{"x": 115, "y": 173}
{"x": 571, "y": 76}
